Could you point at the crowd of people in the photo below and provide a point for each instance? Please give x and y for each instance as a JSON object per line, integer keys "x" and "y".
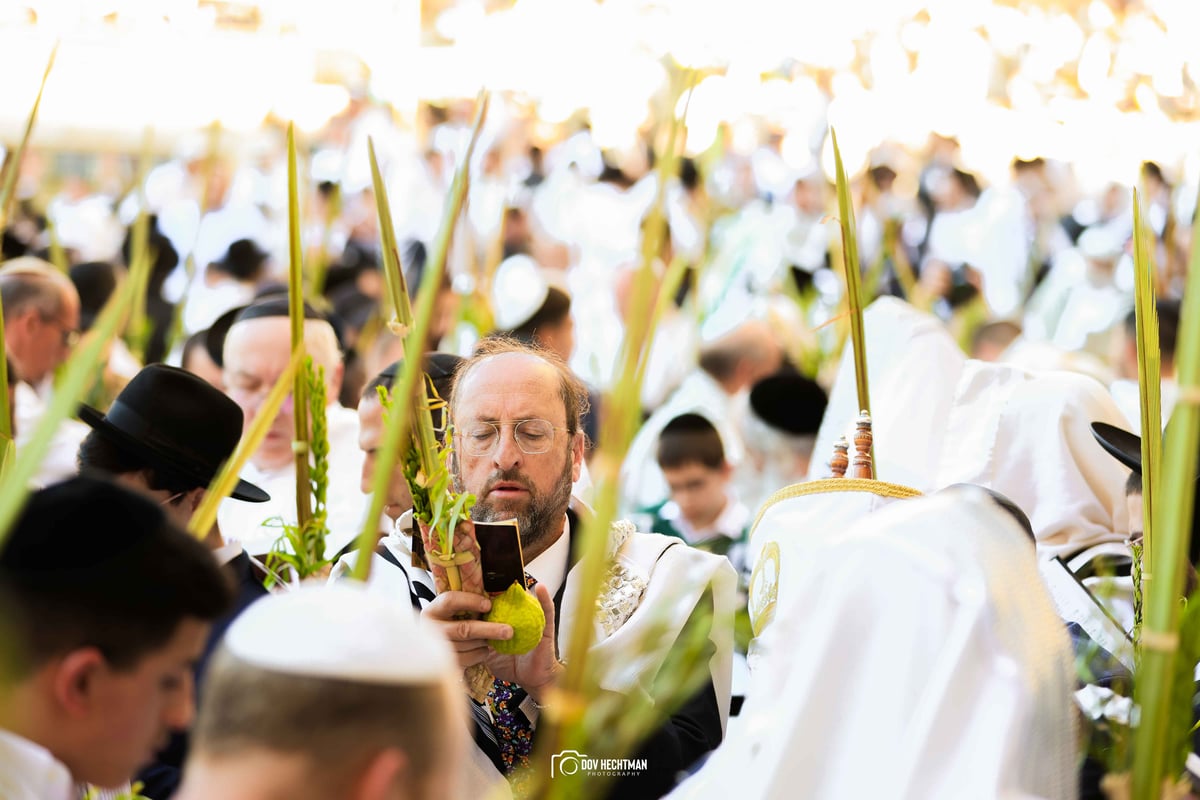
{"x": 958, "y": 611}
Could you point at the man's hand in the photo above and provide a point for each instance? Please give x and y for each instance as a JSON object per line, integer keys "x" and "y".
{"x": 468, "y": 637}
{"x": 537, "y": 670}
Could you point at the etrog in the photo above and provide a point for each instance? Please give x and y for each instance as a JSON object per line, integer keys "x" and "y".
{"x": 520, "y": 609}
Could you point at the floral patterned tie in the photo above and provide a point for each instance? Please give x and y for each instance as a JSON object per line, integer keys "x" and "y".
{"x": 514, "y": 733}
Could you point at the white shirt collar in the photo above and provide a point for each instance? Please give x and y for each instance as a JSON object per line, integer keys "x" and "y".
{"x": 29, "y": 771}
{"x": 227, "y": 552}
{"x": 550, "y": 567}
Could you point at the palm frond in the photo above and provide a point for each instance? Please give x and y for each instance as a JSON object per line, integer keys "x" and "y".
{"x": 9, "y": 187}
{"x": 853, "y": 273}
{"x": 1160, "y": 639}
{"x": 296, "y": 317}
{"x": 405, "y": 383}
{"x": 1149, "y": 373}
{"x": 227, "y": 477}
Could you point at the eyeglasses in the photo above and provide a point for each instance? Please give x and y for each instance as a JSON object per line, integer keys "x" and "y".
{"x": 170, "y": 501}
{"x": 70, "y": 336}
{"x": 533, "y": 436}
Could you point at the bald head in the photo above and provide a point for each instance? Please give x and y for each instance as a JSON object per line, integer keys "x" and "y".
{"x": 742, "y": 357}
{"x": 41, "y": 316}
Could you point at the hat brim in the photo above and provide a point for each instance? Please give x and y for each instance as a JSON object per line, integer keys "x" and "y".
{"x": 243, "y": 490}
{"x": 1120, "y": 444}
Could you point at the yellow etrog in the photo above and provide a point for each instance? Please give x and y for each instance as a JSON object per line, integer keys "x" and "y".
{"x": 520, "y": 609}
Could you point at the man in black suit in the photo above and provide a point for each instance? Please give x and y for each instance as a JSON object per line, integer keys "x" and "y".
{"x": 166, "y": 436}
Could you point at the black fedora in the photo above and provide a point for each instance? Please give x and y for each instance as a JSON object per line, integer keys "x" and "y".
{"x": 1120, "y": 444}
{"x": 178, "y": 421}
{"x": 1126, "y": 447}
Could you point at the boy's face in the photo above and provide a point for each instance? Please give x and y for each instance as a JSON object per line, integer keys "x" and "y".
{"x": 128, "y": 714}
{"x": 699, "y": 491}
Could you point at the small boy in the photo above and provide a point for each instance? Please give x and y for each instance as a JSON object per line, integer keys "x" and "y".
{"x": 703, "y": 509}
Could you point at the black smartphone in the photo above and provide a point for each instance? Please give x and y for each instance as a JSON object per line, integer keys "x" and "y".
{"x": 500, "y": 555}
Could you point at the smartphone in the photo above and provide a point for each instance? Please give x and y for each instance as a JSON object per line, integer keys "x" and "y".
{"x": 500, "y": 555}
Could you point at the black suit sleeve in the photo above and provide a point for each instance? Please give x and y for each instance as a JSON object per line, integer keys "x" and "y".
{"x": 689, "y": 733}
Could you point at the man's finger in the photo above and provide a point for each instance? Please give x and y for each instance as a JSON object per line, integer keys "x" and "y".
{"x": 466, "y": 630}
{"x": 543, "y": 596}
{"x": 447, "y": 605}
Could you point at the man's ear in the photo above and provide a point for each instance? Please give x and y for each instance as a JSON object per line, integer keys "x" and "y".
{"x": 193, "y": 498}
{"x": 385, "y": 777}
{"x": 334, "y": 376}
{"x": 74, "y": 679}
{"x": 25, "y": 322}
{"x": 577, "y": 448}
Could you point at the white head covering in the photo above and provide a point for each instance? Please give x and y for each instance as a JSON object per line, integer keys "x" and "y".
{"x": 939, "y": 418}
{"x": 340, "y": 631}
{"x": 520, "y": 289}
{"x": 912, "y": 367}
{"x": 914, "y": 662}
{"x": 1028, "y": 436}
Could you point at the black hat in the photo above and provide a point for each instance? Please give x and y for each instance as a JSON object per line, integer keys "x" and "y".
{"x": 1127, "y": 448}
{"x": 243, "y": 260}
{"x": 1121, "y": 445}
{"x": 95, "y": 281}
{"x": 789, "y": 402}
{"x": 178, "y": 421}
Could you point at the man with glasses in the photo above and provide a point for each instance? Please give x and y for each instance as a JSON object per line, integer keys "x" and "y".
{"x": 516, "y": 411}
{"x": 41, "y": 327}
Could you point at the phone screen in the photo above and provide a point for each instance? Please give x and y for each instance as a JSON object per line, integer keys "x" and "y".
{"x": 500, "y": 554}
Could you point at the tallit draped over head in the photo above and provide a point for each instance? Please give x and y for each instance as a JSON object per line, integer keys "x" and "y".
{"x": 920, "y": 657}
{"x": 939, "y": 419}
{"x": 913, "y": 365}
{"x": 1028, "y": 436}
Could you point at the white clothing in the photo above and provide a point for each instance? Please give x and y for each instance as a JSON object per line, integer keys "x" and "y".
{"x": 345, "y": 503}
{"x": 913, "y": 662}
{"x": 29, "y": 771}
{"x": 59, "y": 462}
{"x": 912, "y": 366}
{"x": 1127, "y": 396}
{"x": 674, "y": 350}
{"x": 793, "y": 527}
{"x": 730, "y": 523}
{"x": 204, "y": 303}
{"x": 1028, "y": 436}
{"x": 939, "y": 419}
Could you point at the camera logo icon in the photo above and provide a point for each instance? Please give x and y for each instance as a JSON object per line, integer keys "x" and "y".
{"x": 566, "y": 762}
